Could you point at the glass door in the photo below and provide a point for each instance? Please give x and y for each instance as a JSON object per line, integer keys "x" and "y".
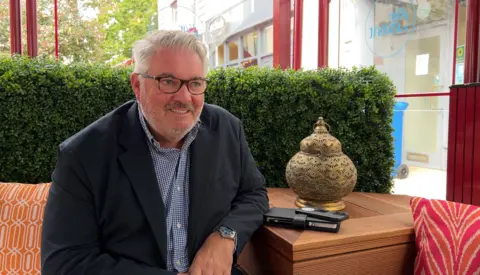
{"x": 426, "y": 121}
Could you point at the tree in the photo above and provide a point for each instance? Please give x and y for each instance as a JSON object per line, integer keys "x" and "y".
{"x": 108, "y": 37}
{"x": 123, "y": 22}
{"x": 79, "y": 39}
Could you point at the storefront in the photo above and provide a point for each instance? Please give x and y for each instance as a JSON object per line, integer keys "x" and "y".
{"x": 413, "y": 43}
{"x": 424, "y": 46}
{"x": 237, "y": 33}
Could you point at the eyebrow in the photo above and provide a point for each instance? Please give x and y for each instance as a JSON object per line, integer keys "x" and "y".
{"x": 172, "y": 75}
{"x": 166, "y": 75}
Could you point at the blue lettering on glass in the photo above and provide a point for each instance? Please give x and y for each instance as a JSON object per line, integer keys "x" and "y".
{"x": 398, "y": 24}
{"x": 189, "y": 28}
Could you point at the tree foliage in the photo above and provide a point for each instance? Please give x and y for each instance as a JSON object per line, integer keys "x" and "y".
{"x": 107, "y": 37}
{"x": 79, "y": 38}
{"x": 123, "y": 22}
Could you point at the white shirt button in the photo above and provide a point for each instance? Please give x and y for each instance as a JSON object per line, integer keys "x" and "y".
{"x": 178, "y": 262}
{"x": 179, "y": 225}
{"x": 178, "y": 188}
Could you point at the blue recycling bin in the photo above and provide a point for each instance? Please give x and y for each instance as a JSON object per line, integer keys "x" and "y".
{"x": 399, "y": 170}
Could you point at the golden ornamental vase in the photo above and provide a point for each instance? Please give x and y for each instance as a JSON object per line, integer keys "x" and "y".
{"x": 320, "y": 173}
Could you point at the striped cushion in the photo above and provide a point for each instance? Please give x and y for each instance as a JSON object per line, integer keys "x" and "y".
{"x": 447, "y": 236}
{"x": 21, "y": 216}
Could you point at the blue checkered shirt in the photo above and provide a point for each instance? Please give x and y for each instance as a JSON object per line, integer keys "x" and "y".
{"x": 171, "y": 168}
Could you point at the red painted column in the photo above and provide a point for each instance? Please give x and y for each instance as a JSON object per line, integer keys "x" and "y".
{"x": 323, "y": 9}
{"x": 15, "y": 27}
{"x": 452, "y": 141}
{"x": 476, "y": 150}
{"x": 281, "y": 33}
{"x": 32, "y": 41}
{"x": 463, "y": 175}
{"x": 55, "y": 19}
{"x": 472, "y": 45}
{"x": 297, "y": 34}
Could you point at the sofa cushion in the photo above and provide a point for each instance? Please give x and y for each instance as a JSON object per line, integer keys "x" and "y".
{"x": 447, "y": 236}
{"x": 21, "y": 216}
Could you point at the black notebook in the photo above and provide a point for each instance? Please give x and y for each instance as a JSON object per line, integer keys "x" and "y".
{"x": 286, "y": 217}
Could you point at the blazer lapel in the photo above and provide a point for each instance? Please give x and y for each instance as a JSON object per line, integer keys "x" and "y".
{"x": 202, "y": 148}
{"x": 137, "y": 163}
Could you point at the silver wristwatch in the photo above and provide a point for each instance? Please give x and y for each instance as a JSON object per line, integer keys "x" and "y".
{"x": 227, "y": 232}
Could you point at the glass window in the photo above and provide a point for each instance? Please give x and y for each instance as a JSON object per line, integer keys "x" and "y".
{"x": 412, "y": 43}
{"x": 220, "y": 55}
{"x": 232, "y": 51}
{"x": 267, "y": 40}
{"x": 461, "y": 37}
{"x": 250, "y": 44}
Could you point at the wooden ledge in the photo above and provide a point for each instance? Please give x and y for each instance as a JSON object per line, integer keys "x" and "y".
{"x": 377, "y": 222}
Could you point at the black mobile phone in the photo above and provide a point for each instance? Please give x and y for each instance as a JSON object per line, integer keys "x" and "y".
{"x": 334, "y": 216}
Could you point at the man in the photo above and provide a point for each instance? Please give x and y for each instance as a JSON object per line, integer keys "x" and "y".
{"x": 165, "y": 184}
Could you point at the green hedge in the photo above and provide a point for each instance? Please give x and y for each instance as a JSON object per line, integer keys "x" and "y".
{"x": 279, "y": 109}
{"x": 43, "y": 102}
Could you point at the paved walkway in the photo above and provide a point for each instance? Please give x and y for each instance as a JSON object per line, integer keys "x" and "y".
{"x": 423, "y": 182}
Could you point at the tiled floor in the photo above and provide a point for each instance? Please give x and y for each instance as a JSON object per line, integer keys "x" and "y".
{"x": 423, "y": 182}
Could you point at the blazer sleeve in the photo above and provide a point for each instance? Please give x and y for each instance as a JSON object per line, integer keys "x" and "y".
{"x": 70, "y": 233}
{"x": 251, "y": 202}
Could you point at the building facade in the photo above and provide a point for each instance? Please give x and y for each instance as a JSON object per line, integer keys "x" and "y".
{"x": 238, "y": 33}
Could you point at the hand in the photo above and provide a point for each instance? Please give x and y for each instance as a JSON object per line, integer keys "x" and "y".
{"x": 215, "y": 257}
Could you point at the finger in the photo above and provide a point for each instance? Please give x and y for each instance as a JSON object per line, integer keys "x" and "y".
{"x": 210, "y": 270}
{"x": 194, "y": 271}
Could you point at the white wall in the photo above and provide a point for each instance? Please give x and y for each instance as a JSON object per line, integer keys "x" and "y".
{"x": 165, "y": 20}
{"x": 333, "y": 33}
{"x": 363, "y": 19}
{"x": 347, "y": 48}
{"x": 310, "y": 34}
{"x": 354, "y": 19}
{"x": 185, "y": 14}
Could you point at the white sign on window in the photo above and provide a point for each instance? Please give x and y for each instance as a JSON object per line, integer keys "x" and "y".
{"x": 421, "y": 67}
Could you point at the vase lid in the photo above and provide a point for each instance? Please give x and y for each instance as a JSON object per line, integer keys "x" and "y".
{"x": 321, "y": 142}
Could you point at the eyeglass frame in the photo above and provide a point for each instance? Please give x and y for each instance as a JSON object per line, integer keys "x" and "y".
{"x": 182, "y": 82}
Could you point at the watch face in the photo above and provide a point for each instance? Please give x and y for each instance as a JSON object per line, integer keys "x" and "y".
{"x": 227, "y": 232}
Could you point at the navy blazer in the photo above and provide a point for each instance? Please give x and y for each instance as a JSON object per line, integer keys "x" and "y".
{"x": 105, "y": 213}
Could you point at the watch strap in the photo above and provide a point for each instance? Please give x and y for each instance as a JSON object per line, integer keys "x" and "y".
{"x": 222, "y": 228}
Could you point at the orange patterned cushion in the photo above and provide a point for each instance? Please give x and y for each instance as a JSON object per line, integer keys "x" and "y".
{"x": 21, "y": 216}
{"x": 447, "y": 236}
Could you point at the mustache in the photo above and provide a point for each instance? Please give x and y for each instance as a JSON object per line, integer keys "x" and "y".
{"x": 180, "y": 105}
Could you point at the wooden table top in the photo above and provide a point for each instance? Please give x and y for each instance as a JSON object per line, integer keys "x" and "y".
{"x": 376, "y": 220}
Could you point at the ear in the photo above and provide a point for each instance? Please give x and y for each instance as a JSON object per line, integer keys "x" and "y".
{"x": 136, "y": 86}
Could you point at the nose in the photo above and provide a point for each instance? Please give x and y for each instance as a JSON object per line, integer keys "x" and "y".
{"x": 183, "y": 95}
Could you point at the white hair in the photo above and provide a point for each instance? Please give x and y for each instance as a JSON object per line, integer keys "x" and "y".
{"x": 173, "y": 39}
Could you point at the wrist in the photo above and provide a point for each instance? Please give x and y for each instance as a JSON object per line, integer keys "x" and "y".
{"x": 226, "y": 241}
{"x": 228, "y": 235}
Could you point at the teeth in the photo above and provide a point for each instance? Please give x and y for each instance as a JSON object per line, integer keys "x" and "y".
{"x": 179, "y": 111}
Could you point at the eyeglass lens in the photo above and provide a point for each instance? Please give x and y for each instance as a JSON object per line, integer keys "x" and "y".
{"x": 171, "y": 85}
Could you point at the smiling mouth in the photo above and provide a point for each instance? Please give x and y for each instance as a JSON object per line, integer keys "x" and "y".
{"x": 179, "y": 111}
